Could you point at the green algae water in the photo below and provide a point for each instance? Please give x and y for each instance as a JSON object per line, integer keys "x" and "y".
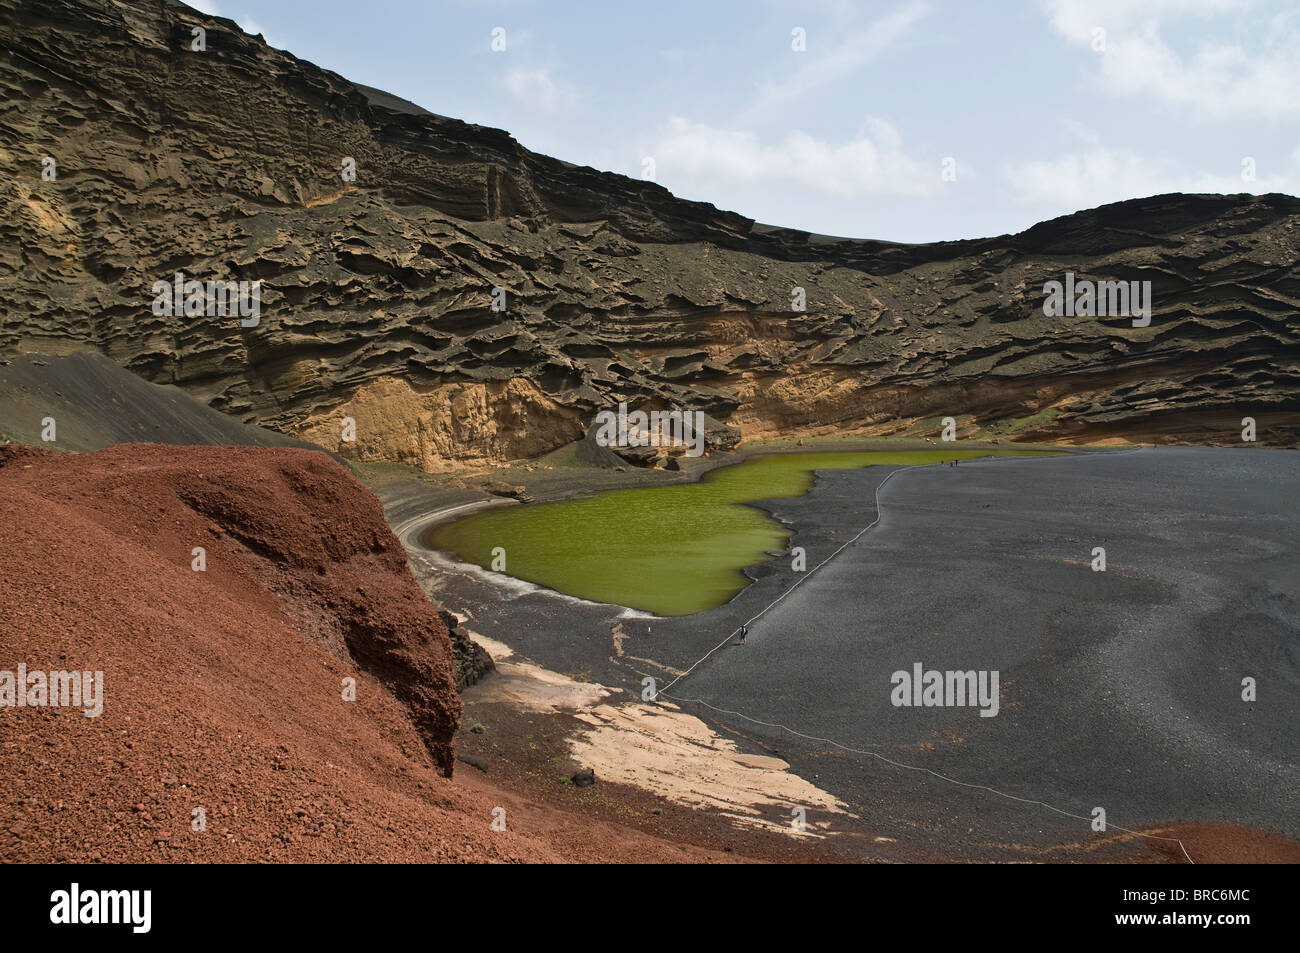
{"x": 670, "y": 550}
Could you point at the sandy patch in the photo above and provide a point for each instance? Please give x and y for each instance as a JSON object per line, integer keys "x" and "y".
{"x": 677, "y": 756}
{"x": 659, "y": 748}
{"x": 531, "y": 687}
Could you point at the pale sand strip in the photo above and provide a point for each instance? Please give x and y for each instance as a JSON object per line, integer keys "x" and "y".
{"x": 661, "y": 749}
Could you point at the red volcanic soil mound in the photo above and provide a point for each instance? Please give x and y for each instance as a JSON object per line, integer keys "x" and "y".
{"x": 225, "y": 734}
{"x": 1212, "y": 843}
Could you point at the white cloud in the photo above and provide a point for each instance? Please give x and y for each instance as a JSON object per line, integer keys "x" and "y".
{"x": 1217, "y": 80}
{"x": 1099, "y": 175}
{"x": 539, "y": 91}
{"x": 1075, "y": 19}
{"x": 872, "y": 162}
{"x": 825, "y": 63}
{"x": 245, "y": 22}
{"x": 253, "y": 28}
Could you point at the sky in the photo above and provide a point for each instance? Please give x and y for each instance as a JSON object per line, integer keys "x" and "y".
{"x": 904, "y": 120}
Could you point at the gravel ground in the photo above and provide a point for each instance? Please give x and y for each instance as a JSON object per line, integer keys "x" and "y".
{"x": 1119, "y": 690}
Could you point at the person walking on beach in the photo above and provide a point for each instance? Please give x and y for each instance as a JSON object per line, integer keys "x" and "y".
{"x": 744, "y": 631}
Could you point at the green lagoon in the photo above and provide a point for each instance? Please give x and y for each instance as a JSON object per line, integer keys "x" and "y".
{"x": 670, "y": 550}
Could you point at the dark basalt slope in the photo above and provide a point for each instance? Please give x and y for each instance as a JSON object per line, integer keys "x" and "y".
{"x": 376, "y": 293}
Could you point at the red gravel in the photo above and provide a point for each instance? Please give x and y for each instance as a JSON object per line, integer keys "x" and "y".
{"x": 1210, "y": 843}
{"x": 223, "y": 687}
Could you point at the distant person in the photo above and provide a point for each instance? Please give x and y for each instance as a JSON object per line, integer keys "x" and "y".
{"x": 744, "y": 631}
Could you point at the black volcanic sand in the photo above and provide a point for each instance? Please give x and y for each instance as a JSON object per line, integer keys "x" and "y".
{"x": 96, "y": 403}
{"x": 1119, "y": 689}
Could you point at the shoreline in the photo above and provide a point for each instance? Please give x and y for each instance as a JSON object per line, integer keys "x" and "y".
{"x": 531, "y": 616}
{"x": 414, "y": 531}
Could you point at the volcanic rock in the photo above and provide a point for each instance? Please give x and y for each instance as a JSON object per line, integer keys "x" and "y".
{"x": 470, "y": 661}
{"x": 298, "y": 537}
{"x": 377, "y": 293}
{"x": 507, "y": 490}
{"x": 226, "y": 732}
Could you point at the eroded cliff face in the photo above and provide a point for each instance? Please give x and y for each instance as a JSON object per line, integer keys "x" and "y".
{"x": 443, "y": 426}
{"x": 377, "y": 298}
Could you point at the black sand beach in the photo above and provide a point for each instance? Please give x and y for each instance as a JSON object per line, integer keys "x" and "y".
{"x": 1119, "y": 689}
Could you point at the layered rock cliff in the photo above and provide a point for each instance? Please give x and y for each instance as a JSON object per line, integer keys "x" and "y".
{"x": 378, "y": 293}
